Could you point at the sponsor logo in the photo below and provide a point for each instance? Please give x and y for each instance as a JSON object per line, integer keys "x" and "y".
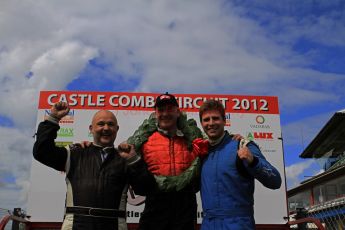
{"x": 260, "y": 119}
{"x": 134, "y": 199}
{"x": 268, "y": 151}
{"x": 260, "y": 123}
{"x": 63, "y": 143}
{"x": 260, "y": 136}
{"x": 68, "y": 119}
{"x": 227, "y": 119}
{"x": 65, "y": 132}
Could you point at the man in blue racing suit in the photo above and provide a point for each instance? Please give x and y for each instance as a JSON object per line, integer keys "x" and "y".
{"x": 228, "y": 173}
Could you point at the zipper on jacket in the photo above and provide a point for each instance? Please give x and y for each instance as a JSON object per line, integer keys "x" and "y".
{"x": 217, "y": 153}
{"x": 172, "y": 157}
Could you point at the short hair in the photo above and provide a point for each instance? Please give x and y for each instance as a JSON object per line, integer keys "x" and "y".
{"x": 212, "y": 104}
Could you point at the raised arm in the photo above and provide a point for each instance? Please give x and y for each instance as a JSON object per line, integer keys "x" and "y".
{"x": 44, "y": 149}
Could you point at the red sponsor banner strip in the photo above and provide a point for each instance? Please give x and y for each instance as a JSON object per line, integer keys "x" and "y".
{"x": 145, "y": 101}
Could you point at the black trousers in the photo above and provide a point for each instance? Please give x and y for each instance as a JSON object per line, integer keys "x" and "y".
{"x": 169, "y": 211}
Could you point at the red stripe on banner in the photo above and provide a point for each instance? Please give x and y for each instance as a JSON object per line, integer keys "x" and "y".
{"x": 145, "y": 101}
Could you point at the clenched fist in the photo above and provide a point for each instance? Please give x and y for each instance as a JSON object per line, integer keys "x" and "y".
{"x": 245, "y": 154}
{"x": 126, "y": 150}
{"x": 59, "y": 110}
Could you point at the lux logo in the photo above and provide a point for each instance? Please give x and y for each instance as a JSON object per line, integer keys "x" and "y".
{"x": 259, "y": 135}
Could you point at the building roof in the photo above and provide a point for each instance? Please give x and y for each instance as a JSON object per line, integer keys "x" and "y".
{"x": 318, "y": 179}
{"x": 338, "y": 163}
{"x": 330, "y": 140}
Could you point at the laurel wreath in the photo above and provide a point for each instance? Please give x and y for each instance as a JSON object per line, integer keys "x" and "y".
{"x": 190, "y": 131}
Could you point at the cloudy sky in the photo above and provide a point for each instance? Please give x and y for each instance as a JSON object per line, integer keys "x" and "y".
{"x": 291, "y": 49}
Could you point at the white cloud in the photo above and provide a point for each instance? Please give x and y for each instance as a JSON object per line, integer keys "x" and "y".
{"x": 16, "y": 156}
{"x": 319, "y": 172}
{"x": 60, "y": 65}
{"x": 191, "y": 47}
{"x": 302, "y": 131}
{"x": 53, "y": 69}
{"x": 293, "y": 172}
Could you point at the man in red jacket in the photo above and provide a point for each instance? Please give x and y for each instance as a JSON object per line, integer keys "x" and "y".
{"x": 170, "y": 144}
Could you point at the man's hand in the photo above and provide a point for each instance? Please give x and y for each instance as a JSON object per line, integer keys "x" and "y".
{"x": 126, "y": 151}
{"x": 237, "y": 137}
{"x": 59, "y": 110}
{"x": 245, "y": 154}
{"x": 84, "y": 144}
{"x": 200, "y": 147}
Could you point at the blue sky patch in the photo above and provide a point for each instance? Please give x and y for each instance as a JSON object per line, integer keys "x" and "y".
{"x": 6, "y": 121}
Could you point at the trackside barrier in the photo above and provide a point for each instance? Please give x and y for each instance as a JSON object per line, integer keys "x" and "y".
{"x": 18, "y": 222}
{"x": 305, "y": 223}
{"x": 15, "y": 220}
{"x": 57, "y": 225}
{"x": 293, "y": 224}
{"x": 4, "y": 220}
{"x": 330, "y": 214}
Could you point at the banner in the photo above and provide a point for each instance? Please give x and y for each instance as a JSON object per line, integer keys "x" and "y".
{"x": 256, "y": 117}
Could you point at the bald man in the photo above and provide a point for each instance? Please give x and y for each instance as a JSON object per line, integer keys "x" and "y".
{"x": 97, "y": 176}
